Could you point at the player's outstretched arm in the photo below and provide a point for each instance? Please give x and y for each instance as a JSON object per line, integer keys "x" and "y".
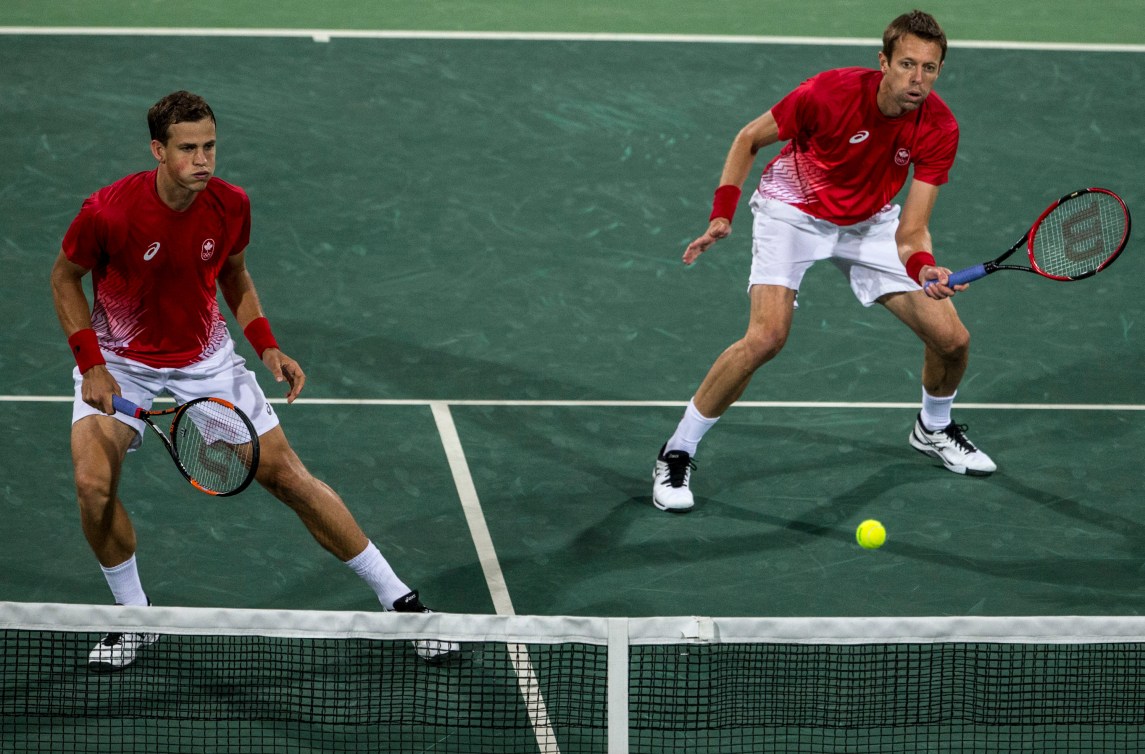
{"x": 719, "y": 228}
{"x": 754, "y": 136}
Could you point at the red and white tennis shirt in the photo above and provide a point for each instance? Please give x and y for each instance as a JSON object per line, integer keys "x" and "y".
{"x": 154, "y": 269}
{"x": 844, "y": 160}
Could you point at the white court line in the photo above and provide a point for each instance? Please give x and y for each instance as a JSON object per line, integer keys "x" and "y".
{"x": 470, "y": 503}
{"x": 325, "y": 35}
{"x": 479, "y": 530}
{"x": 641, "y": 404}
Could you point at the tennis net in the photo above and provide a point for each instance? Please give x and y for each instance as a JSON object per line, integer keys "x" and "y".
{"x": 309, "y": 681}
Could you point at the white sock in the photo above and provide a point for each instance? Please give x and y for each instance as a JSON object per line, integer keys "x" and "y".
{"x": 124, "y": 582}
{"x": 690, "y": 430}
{"x": 936, "y": 411}
{"x": 375, "y": 571}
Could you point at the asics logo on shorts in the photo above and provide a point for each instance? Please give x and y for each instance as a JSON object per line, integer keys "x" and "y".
{"x": 860, "y": 137}
{"x": 152, "y": 250}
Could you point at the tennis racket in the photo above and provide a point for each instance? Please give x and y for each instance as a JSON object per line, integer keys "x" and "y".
{"x": 1077, "y": 236}
{"x": 212, "y": 442}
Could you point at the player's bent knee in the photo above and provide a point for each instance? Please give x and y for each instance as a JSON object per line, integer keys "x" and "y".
{"x": 92, "y": 489}
{"x": 759, "y": 349}
{"x": 955, "y": 346}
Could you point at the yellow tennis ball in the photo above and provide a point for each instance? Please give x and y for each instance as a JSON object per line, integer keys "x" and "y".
{"x": 871, "y": 534}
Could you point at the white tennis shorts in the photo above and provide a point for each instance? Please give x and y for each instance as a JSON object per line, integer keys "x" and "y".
{"x": 786, "y": 242}
{"x": 223, "y": 374}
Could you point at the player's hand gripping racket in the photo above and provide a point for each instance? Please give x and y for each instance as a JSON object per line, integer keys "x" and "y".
{"x": 212, "y": 442}
{"x": 1077, "y": 236}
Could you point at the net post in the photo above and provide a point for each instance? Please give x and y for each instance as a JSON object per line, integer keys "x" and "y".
{"x": 617, "y": 686}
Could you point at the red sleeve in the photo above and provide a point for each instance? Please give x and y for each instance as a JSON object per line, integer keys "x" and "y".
{"x": 792, "y": 113}
{"x": 937, "y": 157}
{"x": 243, "y": 238}
{"x": 83, "y": 243}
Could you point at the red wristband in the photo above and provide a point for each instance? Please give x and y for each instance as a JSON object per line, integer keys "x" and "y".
{"x": 916, "y": 261}
{"x": 85, "y": 347}
{"x": 259, "y": 334}
{"x": 724, "y": 202}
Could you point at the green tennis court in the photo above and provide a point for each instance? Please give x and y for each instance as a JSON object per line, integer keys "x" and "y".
{"x": 488, "y": 229}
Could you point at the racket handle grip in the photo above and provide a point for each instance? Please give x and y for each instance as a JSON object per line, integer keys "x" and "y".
{"x": 962, "y": 277}
{"x": 124, "y": 406}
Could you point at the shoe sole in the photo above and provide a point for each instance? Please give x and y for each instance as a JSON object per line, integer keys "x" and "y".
{"x": 107, "y": 667}
{"x": 671, "y": 509}
{"x": 926, "y": 450}
{"x": 449, "y": 657}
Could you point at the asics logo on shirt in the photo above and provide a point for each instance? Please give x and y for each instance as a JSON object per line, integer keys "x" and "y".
{"x": 152, "y": 250}
{"x": 860, "y": 137}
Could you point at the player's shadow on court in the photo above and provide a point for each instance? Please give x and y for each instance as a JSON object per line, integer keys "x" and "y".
{"x": 1100, "y": 571}
{"x": 831, "y": 518}
{"x": 388, "y": 368}
{"x": 611, "y": 512}
{"x": 834, "y": 518}
{"x": 616, "y": 510}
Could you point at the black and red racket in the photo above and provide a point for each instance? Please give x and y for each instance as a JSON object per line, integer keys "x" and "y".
{"x": 1077, "y": 236}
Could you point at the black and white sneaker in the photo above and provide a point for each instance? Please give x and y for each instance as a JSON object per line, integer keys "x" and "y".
{"x": 951, "y": 446}
{"x": 116, "y": 651}
{"x": 670, "y": 479}
{"x": 431, "y": 650}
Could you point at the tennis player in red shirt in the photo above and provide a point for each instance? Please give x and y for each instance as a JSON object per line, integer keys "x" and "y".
{"x": 158, "y": 245}
{"x": 853, "y": 135}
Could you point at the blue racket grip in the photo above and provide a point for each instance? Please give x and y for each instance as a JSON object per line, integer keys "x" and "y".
{"x": 124, "y": 406}
{"x": 963, "y": 276}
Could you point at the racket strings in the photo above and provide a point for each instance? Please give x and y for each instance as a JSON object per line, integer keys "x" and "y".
{"x": 214, "y": 445}
{"x": 1079, "y": 236}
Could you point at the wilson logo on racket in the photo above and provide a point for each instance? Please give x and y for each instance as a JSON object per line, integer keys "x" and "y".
{"x": 1077, "y": 236}
{"x": 212, "y": 442}
{"x": 1082, "y": 236}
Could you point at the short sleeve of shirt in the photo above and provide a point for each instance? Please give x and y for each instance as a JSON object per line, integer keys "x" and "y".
{"x": 791, "y": 112}
{"x": 940, "y": 144}
{"x": 242, "y": 240}
{"x": 84, "y": 241}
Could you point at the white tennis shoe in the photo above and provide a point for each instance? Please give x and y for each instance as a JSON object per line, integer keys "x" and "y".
{"x": 116, "y": 651}
{"x": 951, "y": 446}
{"x": 670, "y": 479}
{"x": 436, "y": 651}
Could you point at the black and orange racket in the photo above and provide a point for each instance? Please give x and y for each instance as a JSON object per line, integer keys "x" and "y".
{"x": 1077, "y": 236}
{"x": 213, "y": 443}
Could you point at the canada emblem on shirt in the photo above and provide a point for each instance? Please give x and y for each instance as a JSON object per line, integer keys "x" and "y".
{"x": 207, "y": 250}
{"x": 902, "y": 157}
